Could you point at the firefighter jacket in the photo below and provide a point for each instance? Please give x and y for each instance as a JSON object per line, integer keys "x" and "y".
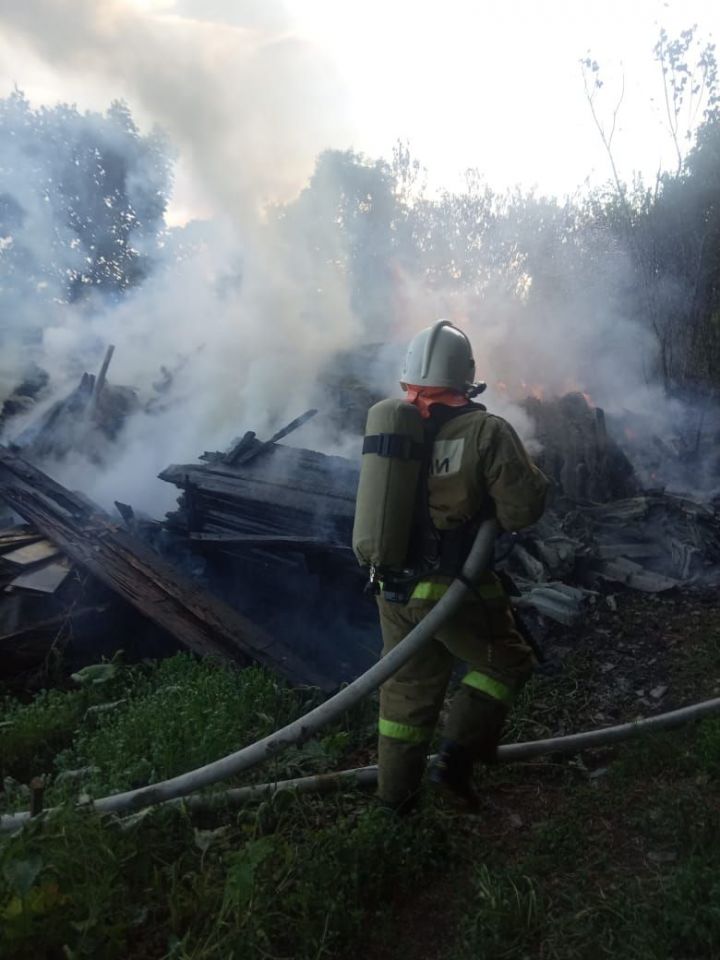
{"x": 476, "y": 459}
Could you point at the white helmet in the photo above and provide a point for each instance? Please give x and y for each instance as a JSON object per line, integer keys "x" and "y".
{"x": 440, "y": 356}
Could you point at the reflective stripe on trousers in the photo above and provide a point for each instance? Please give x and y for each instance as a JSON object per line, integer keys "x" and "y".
{"x": 404, "y": 731}
{"x": 488, "y": 685}
{"x": 408, "y": 733}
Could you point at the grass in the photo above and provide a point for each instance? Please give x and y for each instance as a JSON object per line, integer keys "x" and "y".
{"x": 624, "y": 866}
{"x": 294, "y": 880}
{"x": 613, "y": 854}
{"x": 292, "y": 877}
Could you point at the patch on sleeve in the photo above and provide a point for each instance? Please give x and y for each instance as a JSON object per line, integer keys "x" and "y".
{"x": 447, "y": 457}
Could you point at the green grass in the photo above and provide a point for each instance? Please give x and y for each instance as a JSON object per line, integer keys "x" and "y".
{"x": 626, "y": 867}
{"x": 623, "y": 865}
{"x": 294, "y": 879}
{"x": 291, "y": 877}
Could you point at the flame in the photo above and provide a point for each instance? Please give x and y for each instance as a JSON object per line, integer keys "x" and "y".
{"x": 520, "y": 389}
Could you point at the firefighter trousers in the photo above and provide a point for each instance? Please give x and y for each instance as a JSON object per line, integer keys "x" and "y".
{"x": 498, "y": 662}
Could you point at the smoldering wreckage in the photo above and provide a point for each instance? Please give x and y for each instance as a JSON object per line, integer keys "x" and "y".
{"x": 255, "y": 565}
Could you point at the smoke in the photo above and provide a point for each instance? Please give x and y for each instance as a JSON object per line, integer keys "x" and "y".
{"x": 248, "y": 105}
{"x": 249, "y": 312}
{"x": 230, "y": 309}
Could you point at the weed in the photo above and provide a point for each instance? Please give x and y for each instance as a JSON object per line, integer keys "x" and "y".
{"x": 31, "y": 734}
{"x": 708, "y": 747}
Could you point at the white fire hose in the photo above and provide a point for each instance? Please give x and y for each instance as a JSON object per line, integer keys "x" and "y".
{"x": 361, "y": 777}
{"x": 305, "y": 727}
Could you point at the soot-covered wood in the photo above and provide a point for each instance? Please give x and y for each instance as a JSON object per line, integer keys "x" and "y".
{"x": 199, "y": 621}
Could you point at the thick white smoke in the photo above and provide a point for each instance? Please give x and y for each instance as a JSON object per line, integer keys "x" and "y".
{"x": 250, "y": 318}
{"x": 249, "y": 107}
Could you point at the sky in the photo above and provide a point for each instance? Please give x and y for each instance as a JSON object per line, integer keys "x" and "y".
{"x": 492, "y": 85}
{"x": 249, "y": 92}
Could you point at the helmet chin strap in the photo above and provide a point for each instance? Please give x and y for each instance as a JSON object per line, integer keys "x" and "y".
{"x": 476, "y": 389}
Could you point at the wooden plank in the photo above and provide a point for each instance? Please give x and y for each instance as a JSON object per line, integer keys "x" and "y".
{"x": 102, "y": 376}
{"x": 240, "y": 455}
{"x": 199, "y": 621}
{"x": 31, "y": 553}
{"x": 303, "y": 495}
{"x": 264, "y": 540}
{"x": 44, "y": 579}
{"x": 285, "y": 467}
{"x": 10, "y": 539}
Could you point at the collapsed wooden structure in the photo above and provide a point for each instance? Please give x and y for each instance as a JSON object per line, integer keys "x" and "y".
{"x": 263, "y": 493}
{"x": 263, "y": 534}
{"x": 200, "y": 622}
{"x": 276, "y": 522}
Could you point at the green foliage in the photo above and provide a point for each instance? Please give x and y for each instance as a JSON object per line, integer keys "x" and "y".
{"x": 654, "y": 755}
{"x": 109, "y": 890}
{"x": 82, "y": 194}
{"x": 708, "y": 747}
{"x": 31, "y": 734}
{"x": 623, "y": 865}
{"x": 183, "y": 714}
{"x": 626, "y": 867}
{"x": 86, "y": 884}
{"x": 292, "y": 877}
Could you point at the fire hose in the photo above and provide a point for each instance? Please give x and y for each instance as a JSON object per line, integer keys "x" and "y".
{"x": 361, "y": 777}
{"x": 306, "y": 726}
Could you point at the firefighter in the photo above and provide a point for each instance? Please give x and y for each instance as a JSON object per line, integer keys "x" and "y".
{"x": 478, "y": 468}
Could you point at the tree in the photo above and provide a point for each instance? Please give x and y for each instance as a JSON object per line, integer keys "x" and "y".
{"x": 82, "y": 203}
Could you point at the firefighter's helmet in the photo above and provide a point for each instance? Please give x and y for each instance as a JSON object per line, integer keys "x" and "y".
{"x": 440, "y": 356}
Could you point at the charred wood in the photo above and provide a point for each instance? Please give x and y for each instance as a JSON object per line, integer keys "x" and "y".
{"x": 200, "y": 622}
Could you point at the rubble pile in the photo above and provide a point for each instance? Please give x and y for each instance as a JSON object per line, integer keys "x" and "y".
{"x": 650, "y": 543}
{"x": 129, "y": 568}
{"x": 577, "y": 451}
{"x": 86, "y": 420}
{"x": 255, "y": 563}
{"x": 271, "y": 527}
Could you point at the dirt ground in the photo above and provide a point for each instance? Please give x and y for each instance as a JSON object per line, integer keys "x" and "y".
{"x": 633, "y": 656}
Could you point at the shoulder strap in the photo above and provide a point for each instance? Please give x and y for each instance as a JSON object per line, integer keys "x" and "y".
{"x": 429, "y": 543}
{"x": 440, "y": 415}
{"x": 396, "y": 445}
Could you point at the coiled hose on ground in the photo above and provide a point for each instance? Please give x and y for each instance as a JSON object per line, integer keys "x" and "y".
{"x": 308, "y": 725}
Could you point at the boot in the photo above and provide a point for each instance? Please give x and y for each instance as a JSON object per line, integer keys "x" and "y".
{"x": 401, "y": 808}
{"x": 451, "y": 772}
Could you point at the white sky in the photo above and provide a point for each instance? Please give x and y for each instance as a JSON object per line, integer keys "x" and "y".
{"x": 495, "y": 84}
{"x": 486, "y": 84}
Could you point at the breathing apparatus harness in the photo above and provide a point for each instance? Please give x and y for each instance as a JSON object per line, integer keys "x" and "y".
{"x": 430, "y": 551}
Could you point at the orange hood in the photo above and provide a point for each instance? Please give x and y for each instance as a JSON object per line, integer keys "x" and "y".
{"x": 424, "y": 398}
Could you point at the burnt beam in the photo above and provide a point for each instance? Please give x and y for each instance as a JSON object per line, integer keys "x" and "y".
{"x": 200, "y": 622}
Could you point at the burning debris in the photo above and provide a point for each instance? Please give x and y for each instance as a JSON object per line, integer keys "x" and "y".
{"x": 25, "y": 395}
{"x": 280, "y": 514}
{"x": 262, "y": 534}
{"x": 85, "y": 421}
{"x": 577, "y": 451}
{"x": 278, "y": 520}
